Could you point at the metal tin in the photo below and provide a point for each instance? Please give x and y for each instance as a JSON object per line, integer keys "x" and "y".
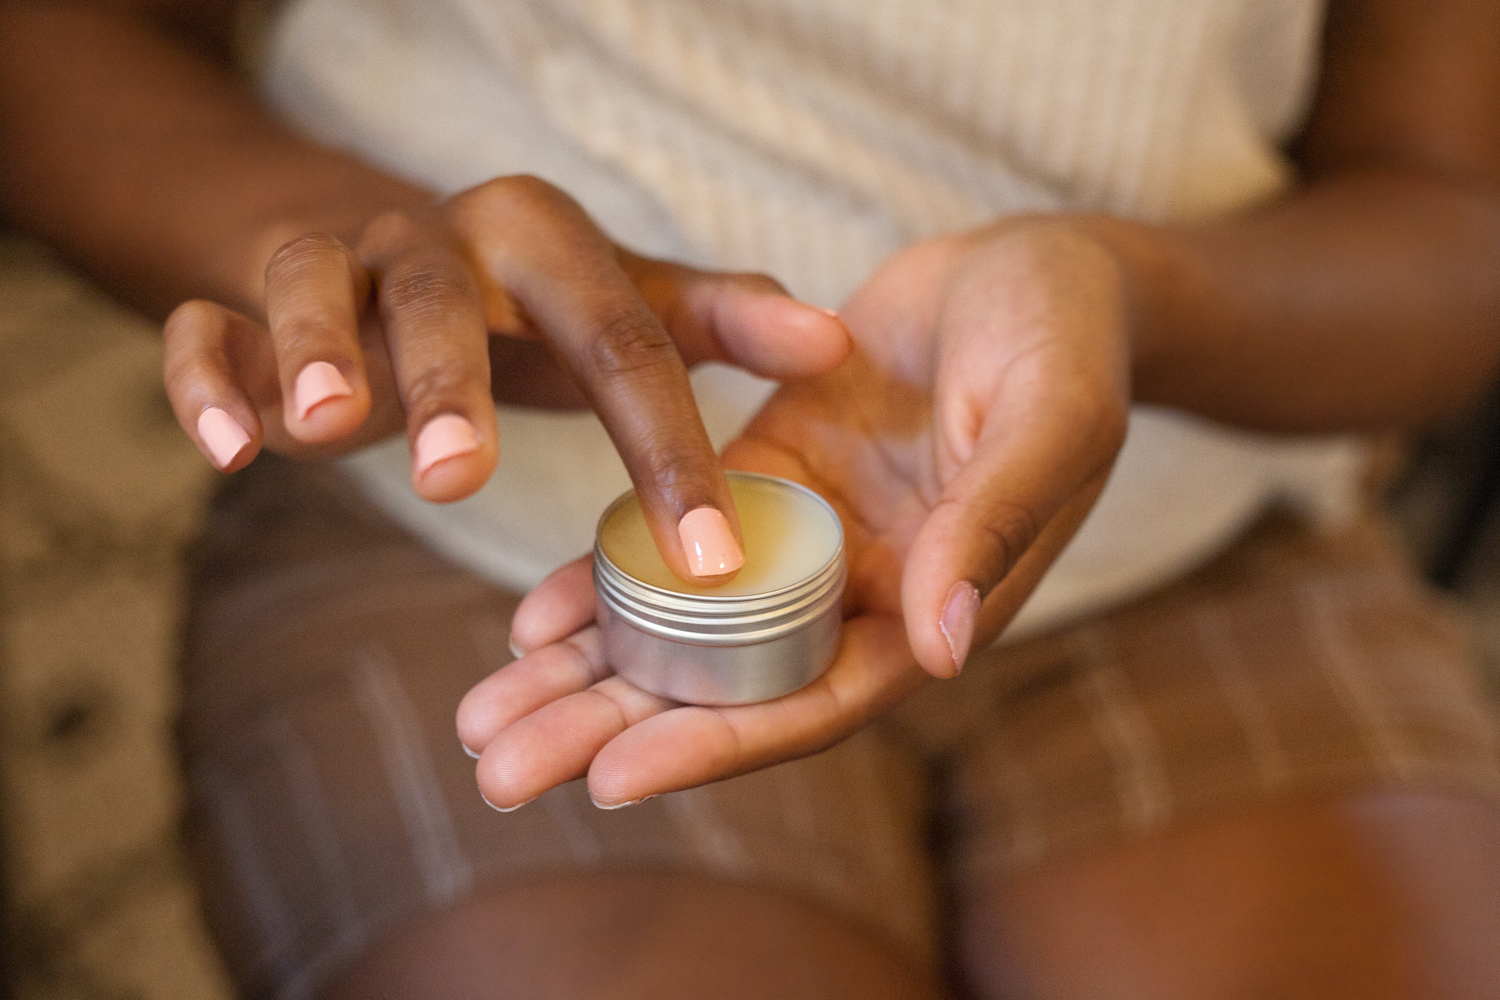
{"x": 714, "y": 650}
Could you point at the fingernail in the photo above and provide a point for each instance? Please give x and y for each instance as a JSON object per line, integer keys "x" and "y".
{"x": 317, "y": 384}
{"x": 222, "y": 434}
{"x": 709, "y": 544}
{"x": 620, "y": 805}
{"x": 957, "y": 622}
{"x": 445, "y": 436}
{"x": 471, "y": 753}
{"x": 830, "y": 312}
{"x": 507, "y": 809}
{"x": 515, "y": 650}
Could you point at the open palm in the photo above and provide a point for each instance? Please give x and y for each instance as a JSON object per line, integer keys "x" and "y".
{"x": 961, "y": 444}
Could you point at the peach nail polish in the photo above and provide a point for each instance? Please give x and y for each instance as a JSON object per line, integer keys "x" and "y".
{"x": 445, "y": 436}
{"x": 222, "y": 434}
{"x": 957, "y": 622}
{"x": 317, "y": 384}
{"x": 710, "y": 545}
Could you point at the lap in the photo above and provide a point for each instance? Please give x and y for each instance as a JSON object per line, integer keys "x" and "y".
{"x": 1373, "y": 896}
{"x": 331, "y": 805}
{"x": 633, "y": 934}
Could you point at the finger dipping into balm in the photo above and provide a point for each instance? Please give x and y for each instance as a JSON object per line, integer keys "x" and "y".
{"x": 771, "y": 630}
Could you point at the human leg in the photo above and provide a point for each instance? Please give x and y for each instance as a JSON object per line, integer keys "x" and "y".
{"x": 341, "y": 838}
{"x": 633, "y": 935}
{"x": 1266, "y": 781}
{"x": 1383, "y": 895}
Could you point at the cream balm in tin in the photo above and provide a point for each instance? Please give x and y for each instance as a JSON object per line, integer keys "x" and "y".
{"x": 771, "y": 630}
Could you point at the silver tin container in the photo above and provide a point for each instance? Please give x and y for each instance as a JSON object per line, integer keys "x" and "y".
{"x": 714, "y": 650}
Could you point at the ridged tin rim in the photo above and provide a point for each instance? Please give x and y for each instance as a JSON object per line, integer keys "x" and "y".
{"x": 721, "y": 621}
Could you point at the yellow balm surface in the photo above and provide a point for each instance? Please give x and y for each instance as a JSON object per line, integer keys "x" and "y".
{"x": 789, "y": 536}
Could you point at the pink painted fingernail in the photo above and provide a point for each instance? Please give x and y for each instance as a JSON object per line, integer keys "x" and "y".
{"x": 317, "y": 384}
{"x": 445, "y": 436}
{"x": 222, "y": 434}
{"x": 959, "y": 611}
{"x": 709, "y": 544}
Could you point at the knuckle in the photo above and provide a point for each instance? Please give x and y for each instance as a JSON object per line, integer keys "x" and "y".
{"x": 188, "y": 371}
{"x": 422, "y": 289}
{"x": 1011, "y": 529}
{"x": 1107, "y": 420}
{"x": 391, "y": 230}
{"x": 439, "y": 388}
{"x": 630, "y": 342}
{"x": 668, "y": 459}
{"x": 1098, "y": 415}
{"x": 297, "y": 255}
{"x": 308, "y": 333}
{"x": 525, "y": 190}
{"x": 192, "y": 317}
{"x": 756, "y": 281}
{"x": 1113, "y": 427}
{"x": 518, "y": 203}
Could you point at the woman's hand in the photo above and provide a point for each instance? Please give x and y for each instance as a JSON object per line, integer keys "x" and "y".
{"x": 962, "y": 444}
{"x": 394, "y": 334}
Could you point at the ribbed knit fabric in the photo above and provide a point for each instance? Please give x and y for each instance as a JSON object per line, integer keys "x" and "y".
{"x": 811, "y": 140}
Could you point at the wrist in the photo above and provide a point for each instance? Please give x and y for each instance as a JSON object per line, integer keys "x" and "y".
{"x": 1152, "y": 275}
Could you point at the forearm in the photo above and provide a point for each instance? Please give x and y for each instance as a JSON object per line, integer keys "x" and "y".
{"x": 140, "y": 155}
{"x": 1366, "y": 300}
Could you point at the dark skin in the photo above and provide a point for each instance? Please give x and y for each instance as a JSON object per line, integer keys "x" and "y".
{"x": 963, "y": 441}
{"x": 293, "y": 254}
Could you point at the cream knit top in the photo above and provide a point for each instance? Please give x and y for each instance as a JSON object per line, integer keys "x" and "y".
{"x": 810, "y": 139}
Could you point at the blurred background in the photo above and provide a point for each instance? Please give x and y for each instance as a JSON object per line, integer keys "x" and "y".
{"x": 100, "y": 495}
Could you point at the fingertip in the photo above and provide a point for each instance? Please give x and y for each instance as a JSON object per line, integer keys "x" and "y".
{"x": 831, "y": 344}
{"x": 556, "y": 608}
{"x": 318, "y": 383}
{"x": 714, "y": 556}
{"x": 956, "y": 622}
{"x": 445, "y": 436}
{"x": 941, "y": 612}
{"x": 479, "y": 719}
{"x": 501, "y": 782}
{"x": 223, "y": 436}
{"x": 931, "y": 647}
{"x": 612, "y": 806}
{"x": 811, "y": 340}
{"x": 449, "y": 459}
{"x": 777, "y": 336}
{"x": 325, "y": 406}
{"x": 471, "y": 720}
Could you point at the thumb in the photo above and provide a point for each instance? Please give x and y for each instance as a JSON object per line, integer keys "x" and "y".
{"x": 748, "y": 320}
{"x": 1002, "y": 519}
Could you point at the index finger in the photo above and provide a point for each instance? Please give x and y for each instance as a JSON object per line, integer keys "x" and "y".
{"x": 566, "y": 276}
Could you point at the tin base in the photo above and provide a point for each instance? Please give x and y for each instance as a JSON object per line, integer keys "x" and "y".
{"x": 720, "y": 674}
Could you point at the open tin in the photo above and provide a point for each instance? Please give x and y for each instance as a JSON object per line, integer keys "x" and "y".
{"x": 738, "y": 643}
